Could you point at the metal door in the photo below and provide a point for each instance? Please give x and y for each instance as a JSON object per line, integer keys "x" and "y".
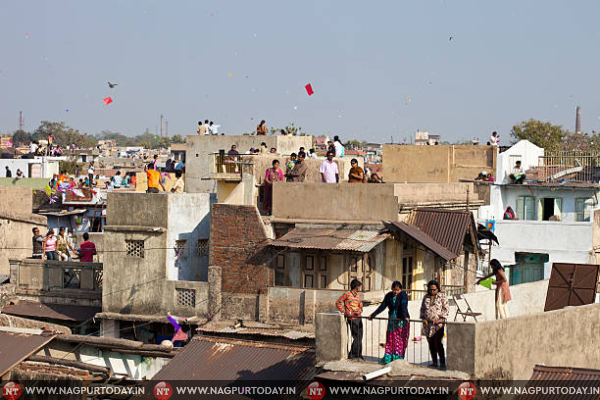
{"x": 571, "y": 285}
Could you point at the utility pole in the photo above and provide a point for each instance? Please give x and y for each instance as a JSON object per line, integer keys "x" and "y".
{"x": 20, "y": 120}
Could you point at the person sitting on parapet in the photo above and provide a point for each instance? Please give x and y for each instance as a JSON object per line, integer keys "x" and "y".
{"x": 517, "y": 176}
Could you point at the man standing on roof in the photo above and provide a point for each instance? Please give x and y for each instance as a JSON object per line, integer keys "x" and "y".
{"x": 351, "y": 306}
{"x": 154, "y": 179}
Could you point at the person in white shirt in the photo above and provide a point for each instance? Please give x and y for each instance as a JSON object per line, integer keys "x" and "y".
{"x": 179, "y": 184}
{"x": 213, "y": 129}
{"x": 494, "y": 139}
{"x": 312, "y": 154}
{"x": 33, "y": 147}
{"x": 117, "y": 180}
{"x": 329, "y": 170}
{"x": 339, "y": 147}
{"x": 91, "y": 173}
{"x": 517, "y": 176}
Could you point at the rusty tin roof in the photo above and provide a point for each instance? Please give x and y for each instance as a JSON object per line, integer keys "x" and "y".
{"x": 545, "y": 376}
{"x": 216, "y": 358}
{"x": 423, "y": 238}
{"x": 331, "y": 239}
{"x": 16, "y": 347}
{"x": 446, "y": 227}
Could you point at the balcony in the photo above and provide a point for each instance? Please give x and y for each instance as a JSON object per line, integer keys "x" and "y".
{"x": 229, "y": 168}
{"x": 61, "y": 281}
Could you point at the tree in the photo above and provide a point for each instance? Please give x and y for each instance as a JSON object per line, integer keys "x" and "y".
{"x": 21, "y": 137}
{"x": 290, "y": 129}
{"x": 543, "y": 134}
{"x": 119, "y": 138}
{"x": 63, "y": 135}
{"x": 177, "y": 139}
{"x": 164, "y": 143}
{"x": 352, "y": 144}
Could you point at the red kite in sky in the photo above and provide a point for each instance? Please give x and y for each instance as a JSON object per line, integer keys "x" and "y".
{"x": 309, "y": 89}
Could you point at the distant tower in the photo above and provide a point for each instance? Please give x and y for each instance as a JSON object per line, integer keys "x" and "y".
{"x": 161, "y": 125}
{"x": 20, "y": 120}
{"x": 578, "y": 120}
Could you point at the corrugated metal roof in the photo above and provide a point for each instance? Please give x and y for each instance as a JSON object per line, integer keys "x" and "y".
{"x": 211, "y": 358}
{"x": 64, "y": 312}
{"x": 331, "y": 239}
{"x": 552, "y": 377}
{"x": 421, "y": 237}
{"x": 446, "y": 227}
{"x": 15, "y": 347}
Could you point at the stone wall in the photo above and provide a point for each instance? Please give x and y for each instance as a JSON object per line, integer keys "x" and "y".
{"x": 16, "y": 224}
{"x": 510, "y": 348}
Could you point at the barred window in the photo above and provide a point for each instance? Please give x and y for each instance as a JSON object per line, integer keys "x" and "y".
{"x": 202, "y": 247}
{"x": 135, "y": 248}
{"x": 181, "y": 248}
{"x": 186, "y": 297}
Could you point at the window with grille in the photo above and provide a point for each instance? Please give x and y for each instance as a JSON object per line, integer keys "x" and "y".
{"x": 202, "y": 247}
{"x": 525, "y": 208}
{"x": 181, "y": 249}
{"x": 186, "y": 297}
{"x": 134, "y": 248}
{"x": 583, "y": 207}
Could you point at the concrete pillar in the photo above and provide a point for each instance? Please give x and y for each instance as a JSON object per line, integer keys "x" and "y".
{"x": 263, "y": 306}
{"x": 460, "y": 347}
{"x": 310, "y": 306}
{"x": 110, "y": 328}
{"x": 330, "y": 337}
{"x": 249, "y": 189}
{"x": 214, "y": 293}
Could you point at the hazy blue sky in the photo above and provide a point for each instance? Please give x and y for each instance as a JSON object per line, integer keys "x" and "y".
{"x": 378, "y": 68}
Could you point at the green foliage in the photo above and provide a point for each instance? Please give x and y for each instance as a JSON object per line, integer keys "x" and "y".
{"x": 21, "y": 137}
{"x": 354, "y": 144}
{"x": 290, "y": 129}
{"x": 177, "y": 139}
{"x": 121, "y": 139}
{"x": 63, "y": 135}
{"x": 69, "y": 165}
{"x": 543, "y": 134}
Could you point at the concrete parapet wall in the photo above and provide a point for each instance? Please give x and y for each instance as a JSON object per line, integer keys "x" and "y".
{"x": 331, "y": 337}
{"x": 436, "y": 163}
{"x": 33, "y": 183}
{"x": 200, "y": 150}
{"x": 137, "y": 209}
{"x": 339, "y": 202}
{"x": 429, "y": 192}
{"x": 510, "y": 348}
{"x": 298, "y": 305}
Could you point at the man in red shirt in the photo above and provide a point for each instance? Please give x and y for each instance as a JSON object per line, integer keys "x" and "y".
{"x": 87, "y": 249}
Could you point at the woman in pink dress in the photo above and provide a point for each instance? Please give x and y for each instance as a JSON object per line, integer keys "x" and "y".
{"x": 273, "y": 174}
{"x": 50, "y": 246}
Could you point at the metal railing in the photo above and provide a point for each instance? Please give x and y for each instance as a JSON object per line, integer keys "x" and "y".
{"x": 450, "y": 290}
{"x": 374, "y": 341}
{"x": 561, "y": 166}
{"x": 230, "y": 164}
